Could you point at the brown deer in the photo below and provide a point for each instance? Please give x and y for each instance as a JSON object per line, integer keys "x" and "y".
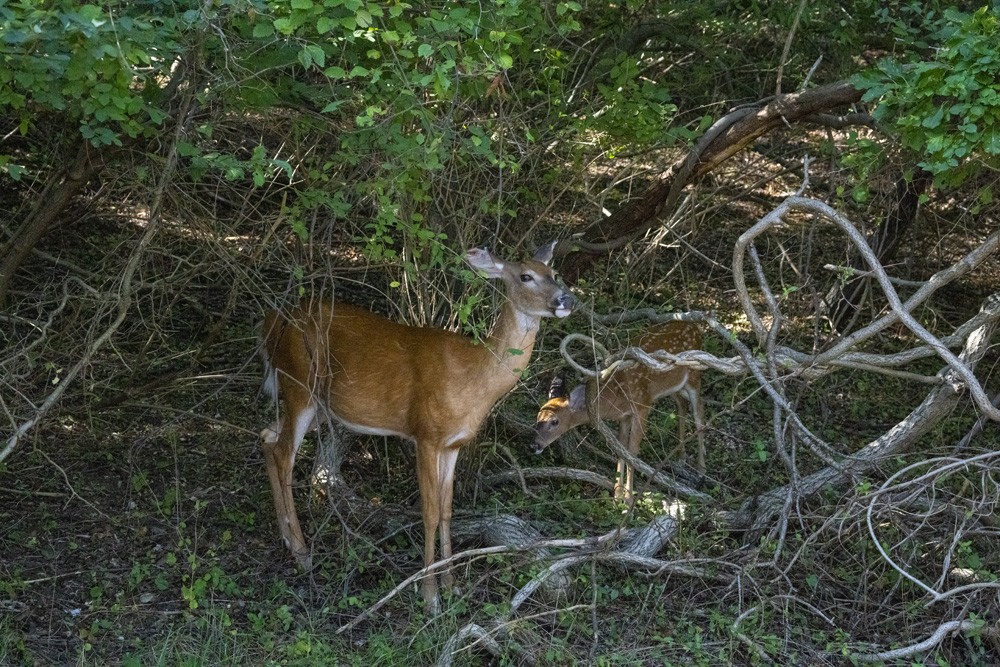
{"x": 430, "y": 386}
{"x": 627, "y": 398}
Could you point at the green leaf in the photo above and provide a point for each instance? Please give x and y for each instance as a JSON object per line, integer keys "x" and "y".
{"x": 934, "y": 119}
{"x": 262, "y": 30}
{"x": 991, "y": 144}
{"x": 305, "y": 58}
{"x": 300, "y": 229}
{"x": 325, "y": 24}
{"x": 425, "y": 51}
{"x": 14, "y": 171}
{"x": 317, "y": 54}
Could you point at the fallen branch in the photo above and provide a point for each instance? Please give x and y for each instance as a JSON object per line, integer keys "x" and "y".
{"x": 573, "y": 474}
{"x": 727, "y": 137}
{"x": 928, "y": 644}
{"x": 939, "y": 403}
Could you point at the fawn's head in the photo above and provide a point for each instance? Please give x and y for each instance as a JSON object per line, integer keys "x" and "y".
{"x": 558, "y": 415}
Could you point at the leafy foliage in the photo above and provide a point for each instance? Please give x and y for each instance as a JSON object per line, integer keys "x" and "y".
{"x": 415, "y": 92}
{"x": 946, "y": 110}
{"x": 406, "y": 98}
{"x": 103, "y": 71}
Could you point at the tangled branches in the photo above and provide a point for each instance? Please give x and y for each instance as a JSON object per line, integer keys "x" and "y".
{"x": 923, "y": 520}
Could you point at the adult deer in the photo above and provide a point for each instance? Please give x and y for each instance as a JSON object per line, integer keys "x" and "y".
{"x": 376, "y": 376}
{"x": 627, "y": 397}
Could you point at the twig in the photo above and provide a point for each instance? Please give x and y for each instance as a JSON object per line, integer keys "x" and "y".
{"x": 787, "y": 48}
{"x": 72, "y": 491}
{"x": 41, "y": 580}
{"x": 40, "y": 494}
{"x": 854, "y": 273}
{"x": 976, "y": 429}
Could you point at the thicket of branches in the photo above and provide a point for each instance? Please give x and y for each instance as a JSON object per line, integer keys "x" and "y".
{"x": 819, "y": 195}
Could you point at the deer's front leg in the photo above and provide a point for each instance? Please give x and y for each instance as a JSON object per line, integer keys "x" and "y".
{"x": 680, "y": 452}
{"x": 430, "y": 506}
{"x": 698, "y": 414}
{"x": 637, "y": 431}
{"x": 623, "y": 475}
{"x": 446, "y": 475}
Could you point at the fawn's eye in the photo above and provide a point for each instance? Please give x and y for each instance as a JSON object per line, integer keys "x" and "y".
{"x": 526, "y": 278}
{"x": 555, "y": 422}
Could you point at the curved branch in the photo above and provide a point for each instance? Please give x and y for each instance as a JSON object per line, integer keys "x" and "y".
{"x": 889, "y": 485}
{"x": 471, "y": 630}
{"x": 727, "y": 137}
{"x": 900, "y": 312}
{"x": 936, "y": 638}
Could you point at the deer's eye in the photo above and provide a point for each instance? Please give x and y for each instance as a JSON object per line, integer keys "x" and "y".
{"x": 526, "y": 277}
{"x": 554, "y": 422}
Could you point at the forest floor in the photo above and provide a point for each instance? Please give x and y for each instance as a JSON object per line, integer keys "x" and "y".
{"x": 137, "y": 528}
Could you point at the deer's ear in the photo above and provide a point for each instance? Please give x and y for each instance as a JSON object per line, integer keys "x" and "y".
{"x": 544, "y": 253}
{"x": 578, "y": 397}
{"x": 557, "y": 389}
{"x": 481, "y": 260}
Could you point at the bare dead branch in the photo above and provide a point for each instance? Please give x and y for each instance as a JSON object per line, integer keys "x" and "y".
{"x": 574, "y": 474}
{"x": 939, "y": 402}
{"x": 928, "y": 644}
{"x": 727, "y": 137}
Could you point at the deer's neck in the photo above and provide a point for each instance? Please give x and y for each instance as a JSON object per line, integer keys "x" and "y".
{"x": 511, "y": 341}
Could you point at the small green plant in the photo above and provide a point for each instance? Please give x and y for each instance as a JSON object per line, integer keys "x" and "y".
{"x": 761, "y": 450}
{"x": 13, "y": 650}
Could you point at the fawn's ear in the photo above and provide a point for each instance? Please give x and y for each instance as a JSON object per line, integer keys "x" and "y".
{"x": 544, "y": 253}
{"x": 481, "y": 260}
{"x": 557, "y": 389}
{"x": 578, "y": 397}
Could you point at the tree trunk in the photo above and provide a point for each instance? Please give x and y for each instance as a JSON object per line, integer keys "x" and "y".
{"x": 59, "y": 190}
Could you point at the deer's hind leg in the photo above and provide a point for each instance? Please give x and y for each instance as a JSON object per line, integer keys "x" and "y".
{"x": 280, "y": 443}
